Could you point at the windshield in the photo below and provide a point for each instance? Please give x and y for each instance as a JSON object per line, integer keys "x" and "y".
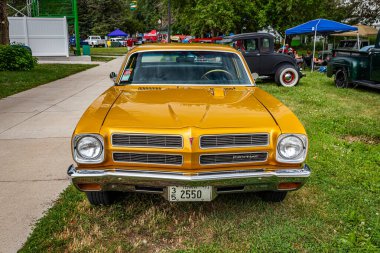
{"x": 366, "y": 49}
{"x": 185, "y": 67}
{"x": 347, "y": 44}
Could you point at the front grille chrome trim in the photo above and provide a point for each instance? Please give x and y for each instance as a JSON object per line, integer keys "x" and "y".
{"x": 147, "y": 136}
{"x": 233, "y": 162}
{"x": 165, "y": 156}
{"x": 249, "y": 145}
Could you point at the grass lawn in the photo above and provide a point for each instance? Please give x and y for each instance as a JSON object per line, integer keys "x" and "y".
{"x": 109, "y": 51}
{"x": 338, "y": 210}
{"x": 12, "y": 82}
{"x": 102, "y": 58}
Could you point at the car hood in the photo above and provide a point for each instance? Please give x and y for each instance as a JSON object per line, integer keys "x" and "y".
{"x": 180, "y": 107}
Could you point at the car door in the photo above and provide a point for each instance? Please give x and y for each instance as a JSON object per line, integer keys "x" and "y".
{"x": 375, "y": 64}
{"x": 266, "y": 57}
{"x": 251, "y": 53}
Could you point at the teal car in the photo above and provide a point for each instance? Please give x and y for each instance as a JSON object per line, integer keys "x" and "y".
{"x": 356, "y": 67}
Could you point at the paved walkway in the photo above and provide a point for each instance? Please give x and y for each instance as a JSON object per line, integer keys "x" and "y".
{"x": 72, "y": 62}
{"x": 35, "y": 131}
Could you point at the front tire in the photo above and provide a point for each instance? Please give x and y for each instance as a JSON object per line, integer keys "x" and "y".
{"x": 101, "y": 198}
{"x": 287, "y": 76}
{"x": 341, "y": 80}
{"x": 272, "y": 196}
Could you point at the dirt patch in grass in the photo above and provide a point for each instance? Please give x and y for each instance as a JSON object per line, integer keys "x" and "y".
{"x": 371, "y": 140}
{"x": 148, "y": 223}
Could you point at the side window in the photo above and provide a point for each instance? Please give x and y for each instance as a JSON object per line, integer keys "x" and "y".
{"x": 239, "y": 45}
{"x": 129, "y": 69}
{"x": 265, "y": 45}
{"x": 251, "y": 45}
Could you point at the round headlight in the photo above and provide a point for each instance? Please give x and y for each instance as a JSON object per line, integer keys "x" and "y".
{"x": 89, "y": 147}
{"x": 290, "y": 147}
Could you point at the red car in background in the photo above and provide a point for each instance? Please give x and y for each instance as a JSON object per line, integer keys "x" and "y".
{"x": 206, "y": 40}
{"x": 131, "y": 42}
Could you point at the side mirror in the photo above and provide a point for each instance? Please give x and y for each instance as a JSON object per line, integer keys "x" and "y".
{"x": 255, "y": 76}
{"x": 113, "y": 76}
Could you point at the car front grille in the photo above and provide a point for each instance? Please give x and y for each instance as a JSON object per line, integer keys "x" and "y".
{"x": 233, "y": 158}
{"x": 147, "y": 140}
{"x": 147, "y": 158}
{"x": 234, "y": 140}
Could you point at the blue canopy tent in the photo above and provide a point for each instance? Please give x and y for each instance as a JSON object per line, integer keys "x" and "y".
{"x": 319, "y": 26}
{"x": 117, "y": 33}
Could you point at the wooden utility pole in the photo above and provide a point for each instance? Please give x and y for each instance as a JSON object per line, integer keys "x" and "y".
{"x": 4, "y": 25}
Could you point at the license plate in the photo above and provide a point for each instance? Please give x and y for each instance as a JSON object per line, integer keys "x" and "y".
{"x": 187, "y": 193}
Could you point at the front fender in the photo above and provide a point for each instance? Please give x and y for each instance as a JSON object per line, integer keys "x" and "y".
{"x": 349, "y": 64}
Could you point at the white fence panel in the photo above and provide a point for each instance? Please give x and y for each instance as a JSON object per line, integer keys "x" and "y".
{"x": 45, "y": 36}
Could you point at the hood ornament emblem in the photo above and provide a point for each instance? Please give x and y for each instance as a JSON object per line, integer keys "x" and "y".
{"x": 191, "y": 141}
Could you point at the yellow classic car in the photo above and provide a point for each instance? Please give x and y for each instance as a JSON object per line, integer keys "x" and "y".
{"x": 189, "y": 123}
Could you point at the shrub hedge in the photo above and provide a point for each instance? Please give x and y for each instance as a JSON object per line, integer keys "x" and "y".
{"x": 16, "y": 57}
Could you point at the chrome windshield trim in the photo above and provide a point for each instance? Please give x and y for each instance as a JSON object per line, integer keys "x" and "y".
{"x": 245, "y": 66}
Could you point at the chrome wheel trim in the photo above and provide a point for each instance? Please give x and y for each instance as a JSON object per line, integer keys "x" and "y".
{"x": 289, "y": 77}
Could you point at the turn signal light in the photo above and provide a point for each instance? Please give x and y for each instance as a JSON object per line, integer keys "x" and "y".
{"x": 288, "y": 186}
{"x": 89, "y": 187}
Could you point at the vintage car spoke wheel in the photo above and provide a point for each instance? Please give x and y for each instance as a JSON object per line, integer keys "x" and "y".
{"x": 272, "y": 196}
{"x": 101, "y": 197}
{"x": 341, "y": 79}
{"x": 287, "y": 76}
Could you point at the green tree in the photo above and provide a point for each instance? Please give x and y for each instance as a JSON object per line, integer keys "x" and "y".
{"x": 107, "y": 15}
{"x": 85, "y": 19}
{"x": 103, "y": 16}
{"x": 198, "y": 17}
{"x": 246, "y": 12}
{"x": 4, "y": 25}
{"x": 282, "y": 15}
{"x": 148, "y": 13}
{"x": 201, "y": 16}
{"x": 216, "y": 17}
{"x": 365, "y": 11}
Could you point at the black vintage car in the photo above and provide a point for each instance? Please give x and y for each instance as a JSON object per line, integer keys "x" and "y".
{"x": 258, "y": 51}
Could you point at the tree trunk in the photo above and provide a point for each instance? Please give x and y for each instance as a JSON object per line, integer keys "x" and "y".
{"x": 4, "y": 25}
{"x": 212, "y": 32}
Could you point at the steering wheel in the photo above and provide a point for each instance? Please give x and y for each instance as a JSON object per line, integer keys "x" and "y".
{"x": 227, "y": 74}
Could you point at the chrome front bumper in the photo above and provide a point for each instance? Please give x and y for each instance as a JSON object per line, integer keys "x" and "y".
{"x": 158, "y": 182}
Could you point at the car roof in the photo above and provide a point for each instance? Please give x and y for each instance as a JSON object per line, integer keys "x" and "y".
{"x": 181, "y": 46}
{"x": 354, "y": 40}
{"x": 366, "y": 48}
{"x": 250, "y": 35}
